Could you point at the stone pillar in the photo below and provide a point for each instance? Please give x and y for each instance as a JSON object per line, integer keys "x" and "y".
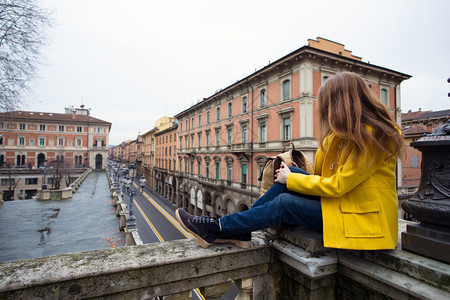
{"x": 215, "y": 292}
{"x": 431, "y": 204}
{"x": 129, "y": 236}
{"x": 245, "y": 287}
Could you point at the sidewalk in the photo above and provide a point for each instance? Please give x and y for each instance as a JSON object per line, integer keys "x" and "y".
{"x": 32, "y": 228}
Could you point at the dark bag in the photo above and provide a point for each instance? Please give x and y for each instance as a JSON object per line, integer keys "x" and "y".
{"x": 273, "y": 163}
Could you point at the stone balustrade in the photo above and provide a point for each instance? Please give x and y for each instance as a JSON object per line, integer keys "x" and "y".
{"x": 296, "y": 266}
{"x": 76, "y": 184}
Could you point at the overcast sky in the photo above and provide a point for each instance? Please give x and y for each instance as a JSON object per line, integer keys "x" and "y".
{"x": 133, "y": 61}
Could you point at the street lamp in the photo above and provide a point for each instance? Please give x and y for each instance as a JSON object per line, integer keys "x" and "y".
{"x": 132, "y": 171}
{"x": 44, "y": 171}
{"x": 131, "y": 221}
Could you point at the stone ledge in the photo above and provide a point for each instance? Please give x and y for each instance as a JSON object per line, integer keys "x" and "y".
{"x": 424, "y": 269}
{"x": 386, "y": 281}
{"x": 305, "y": 262}
{"x": 152, "y": 269}
{"x": 306, "y": 239}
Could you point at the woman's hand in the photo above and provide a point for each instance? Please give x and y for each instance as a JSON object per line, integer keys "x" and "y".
{"x": 282, "y": 173}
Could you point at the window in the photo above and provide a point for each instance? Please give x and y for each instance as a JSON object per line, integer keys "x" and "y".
{"x": 21, "y": 141}
{"x": 60, "y": 142}
{"x": 244, "y": 176}
{"x": 324, "y": 78}
{"x": 286, "y": 90}
{"x": 192, "y": 141}
{"x": 199, "y": 167}
{"x": 244, "y": 133}
{"x": 207, "y": 139}
{"x": 262, "y": 131}
{"x": 286, "y": 128}
{"x": 187, "y": 124}
{"x": 61, "y": 127}
{"x": 244, "y": 104}
{"x": 229, "y": 172}
{"x": 217, "y": 170}
{"x": 415, "y": 161}
{"x": 99, "y": 129}
{"x": 207, "y": 169}
{"x": 69, "y": 143}
{"x": 21, "y": 126}
{"x": 262, "y": 98}
{"x": 217, "y": 138}
{"x": 7, "y": 181}
{"x": 217, "y": 113}
{"x": 186, "y": 141}
{"x": 384, "y": 96}
{"x": 79, "y": 129}
{"x": 185, "y": 166}
{"x": 1, "y": 139}
{"x": 192, "y": 123}
{"x": 229, "y": 135}
{"x": 42, "y": 127}
{"x": 20, "y": 160}
{"x": 29, "y": 181}
{"x": 230, "y": 109}
{"x": 41, "y": 141}
{"x": 199, "y": 120}
{"x": 31, "y": 142}
{"x": 199, "y": 140}
{"x": 207, "y": 117}
{"x": 78, "y": 143}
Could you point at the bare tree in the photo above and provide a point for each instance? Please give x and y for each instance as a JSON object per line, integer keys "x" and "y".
{"x": 12, "y": 184}
{"x": 22, "y": 27}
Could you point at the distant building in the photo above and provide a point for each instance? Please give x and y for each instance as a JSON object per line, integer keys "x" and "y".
{"x": 151, "y": 165}
{"x": 29, "y": 140}
{"x": 414, "y": 126}
{"x": 165, "y": 161}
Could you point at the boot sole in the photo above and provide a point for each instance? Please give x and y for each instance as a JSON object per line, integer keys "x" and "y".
{"x": 205, "y": 244}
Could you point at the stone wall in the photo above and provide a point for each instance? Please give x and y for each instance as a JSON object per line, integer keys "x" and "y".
{"x": 279, "y": 269}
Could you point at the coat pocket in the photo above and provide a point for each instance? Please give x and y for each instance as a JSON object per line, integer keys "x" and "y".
{"x": 362, "y": 219}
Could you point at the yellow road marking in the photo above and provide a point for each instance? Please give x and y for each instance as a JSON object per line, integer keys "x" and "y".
{"x": 168, "y": 217}
{"x": 148, "y": 221}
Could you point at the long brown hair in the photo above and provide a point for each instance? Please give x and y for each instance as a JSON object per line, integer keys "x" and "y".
{"x": 347, "y": 106}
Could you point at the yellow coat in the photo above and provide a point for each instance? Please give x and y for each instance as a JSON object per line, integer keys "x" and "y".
{"x": 359, "y": 202}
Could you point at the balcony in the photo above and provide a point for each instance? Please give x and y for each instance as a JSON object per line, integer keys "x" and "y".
{"x": 100, "y": 148}
{"x": 241, "y": 147}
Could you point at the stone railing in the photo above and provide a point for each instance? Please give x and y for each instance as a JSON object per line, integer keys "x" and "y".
{"x": 131, "y": 234}
{"x": 295, "y": 267}
{"x": 76, "y": 184}
{"x": 139, "y": 272}
{"x": 66, "y": 193}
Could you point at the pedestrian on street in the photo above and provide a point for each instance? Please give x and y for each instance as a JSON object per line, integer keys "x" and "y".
{"x": 351, "y": 198}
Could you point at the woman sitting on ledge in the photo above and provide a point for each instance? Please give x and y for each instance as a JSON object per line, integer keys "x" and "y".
{"x": 351, "y": 197}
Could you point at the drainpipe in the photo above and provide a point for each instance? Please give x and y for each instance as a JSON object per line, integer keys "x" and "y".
{"x": 251, "y": 138}
{"x": 399, "y": 169}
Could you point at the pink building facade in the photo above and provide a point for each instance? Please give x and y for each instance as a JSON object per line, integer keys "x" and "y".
{"x": 224, "y": 140}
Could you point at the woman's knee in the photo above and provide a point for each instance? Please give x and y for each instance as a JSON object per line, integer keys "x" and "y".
{"x": 298, "y": 170}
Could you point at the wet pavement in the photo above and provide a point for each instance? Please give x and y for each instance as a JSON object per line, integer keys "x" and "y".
{"x": 32, "y": 228}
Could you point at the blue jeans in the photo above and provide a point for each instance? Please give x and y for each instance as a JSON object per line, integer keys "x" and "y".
{"x": 278, "y": 205}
